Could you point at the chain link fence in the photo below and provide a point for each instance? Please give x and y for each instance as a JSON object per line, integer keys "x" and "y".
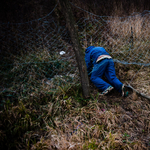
{"x": 125, "y": 38}
{"x": 37, "y": 57}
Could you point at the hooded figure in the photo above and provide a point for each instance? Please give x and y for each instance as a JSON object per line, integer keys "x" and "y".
{"x": 100, "y": 63}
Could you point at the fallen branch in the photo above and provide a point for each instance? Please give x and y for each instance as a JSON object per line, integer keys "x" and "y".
{"x": 141, "y": 94}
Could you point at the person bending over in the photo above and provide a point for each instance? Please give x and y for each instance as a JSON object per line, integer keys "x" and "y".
{"x": 100, "y": 63}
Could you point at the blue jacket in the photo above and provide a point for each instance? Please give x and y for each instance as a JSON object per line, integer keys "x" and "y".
{"x": 91, "y": 55}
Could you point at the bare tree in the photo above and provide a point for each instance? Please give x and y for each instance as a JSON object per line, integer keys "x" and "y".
{"x": 66, "y": 8}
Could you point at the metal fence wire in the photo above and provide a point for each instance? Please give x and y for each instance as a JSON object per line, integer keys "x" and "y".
{"x": 36, "y": 57}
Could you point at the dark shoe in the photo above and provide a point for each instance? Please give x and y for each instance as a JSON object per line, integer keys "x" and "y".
{"x": 124, "y": 92}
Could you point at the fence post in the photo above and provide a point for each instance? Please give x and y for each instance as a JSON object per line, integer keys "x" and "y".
{"x": 66, "y": 8}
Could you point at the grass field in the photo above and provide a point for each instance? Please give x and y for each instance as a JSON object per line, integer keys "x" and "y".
{"x": 63, "y": 119}
{"x": 42, "y": 106}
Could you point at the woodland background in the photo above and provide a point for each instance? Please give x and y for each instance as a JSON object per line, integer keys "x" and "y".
{"x": 22, "y": 11}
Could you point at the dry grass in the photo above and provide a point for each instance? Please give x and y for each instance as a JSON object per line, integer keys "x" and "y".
{"x": 115, "y": 124}
{"x": 122, "y": 27}
{"x": 106, "y": 122}
{"x": 52, "y": 113}
{"x": 130, "y": 33}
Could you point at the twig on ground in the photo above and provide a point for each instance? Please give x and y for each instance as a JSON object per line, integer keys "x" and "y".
{"x": 141, "y": 94}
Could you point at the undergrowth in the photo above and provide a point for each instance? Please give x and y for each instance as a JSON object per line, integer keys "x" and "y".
{"x": 65, "y": 120}
{"x": 41, "y": 101}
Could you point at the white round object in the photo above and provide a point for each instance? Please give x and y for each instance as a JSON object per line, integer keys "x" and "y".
{"x": 62, "y": 53}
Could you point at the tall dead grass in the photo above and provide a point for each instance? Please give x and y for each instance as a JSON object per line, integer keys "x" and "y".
{"x": 128, "y": 37}
{"x": 123, "y": 27}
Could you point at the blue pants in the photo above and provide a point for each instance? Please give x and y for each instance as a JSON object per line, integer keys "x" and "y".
{"x": 105, "y": 67}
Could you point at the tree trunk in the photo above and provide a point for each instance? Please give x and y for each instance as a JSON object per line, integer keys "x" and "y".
{"x": 66, "y": 8}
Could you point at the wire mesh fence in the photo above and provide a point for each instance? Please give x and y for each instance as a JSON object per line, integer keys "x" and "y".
{"x": 125, "y": 38}
{"x": 37, "y": 57}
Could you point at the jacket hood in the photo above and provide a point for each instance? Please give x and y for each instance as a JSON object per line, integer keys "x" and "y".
{"x": 89, "y": 48}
